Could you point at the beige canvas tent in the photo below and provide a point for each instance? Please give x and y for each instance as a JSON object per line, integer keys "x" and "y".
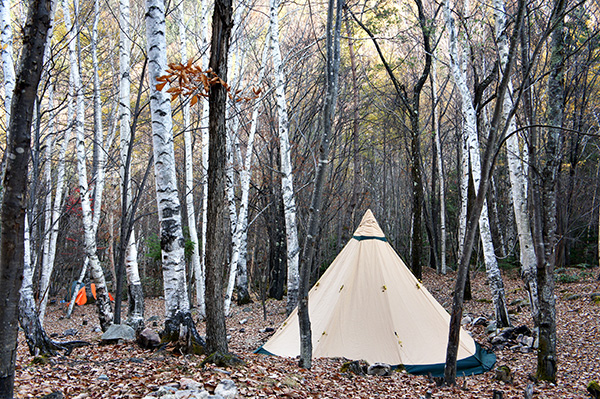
{"x": 369, "y": 306}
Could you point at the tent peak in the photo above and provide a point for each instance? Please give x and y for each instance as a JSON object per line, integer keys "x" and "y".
{"x": 369, "y": 227}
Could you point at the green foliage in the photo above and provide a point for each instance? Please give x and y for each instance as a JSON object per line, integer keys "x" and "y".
{"x": 154, "y": 251}
{"x": 567, "y": 278}
{"x": 509, "y": 263}
{"x": 153, "y": 245}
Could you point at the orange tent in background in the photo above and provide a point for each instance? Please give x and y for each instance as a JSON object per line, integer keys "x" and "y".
{"x": 81, "y": 298}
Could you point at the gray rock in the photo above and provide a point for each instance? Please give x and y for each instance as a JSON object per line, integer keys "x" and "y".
{"x": 491, "y": 328}
{"x": 191, "y": 394}
{"x": 54, "y": 395}
{"x": 480, "y": 321}
{"x": 148, "y": 339}
{"x": 466, "y": 320}
{"x": 166, "y": 390}
{"x": 498, "y": 339}
{"x": 380, "y": 369}
{"x": 226, "y": 389}
{"x": 243, "y": 321}
{"x": 528, "y": 341}
{"x": 190, "y": 385}
{"x": 118, "y": 332}
{"x": 103, "y": 377}
{"x": 153, "y": 318}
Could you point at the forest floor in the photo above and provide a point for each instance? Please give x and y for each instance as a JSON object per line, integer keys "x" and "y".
{"x": 127, "y": 371}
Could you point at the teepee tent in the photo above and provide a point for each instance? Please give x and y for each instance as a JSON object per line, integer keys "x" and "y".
{"x": 369, "y": 306}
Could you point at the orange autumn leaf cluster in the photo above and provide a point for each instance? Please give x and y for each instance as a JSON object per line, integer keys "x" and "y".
{"x": 189, "y": 80}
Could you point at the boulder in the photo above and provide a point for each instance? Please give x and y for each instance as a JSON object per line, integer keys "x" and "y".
{"x": 226, "y": 389}
{"x": 354, "y": 367}
{"x": 148, "y": 339}
{"x": 189, "y": 384}
{"x": 380, "y": 369}
{"x": 118, "y": 332}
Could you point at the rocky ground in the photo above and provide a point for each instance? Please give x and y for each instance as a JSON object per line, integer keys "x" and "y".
{"x": 127, "y": 371}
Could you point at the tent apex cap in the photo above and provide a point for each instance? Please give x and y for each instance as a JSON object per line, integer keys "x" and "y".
{"x": 369, "y": 227}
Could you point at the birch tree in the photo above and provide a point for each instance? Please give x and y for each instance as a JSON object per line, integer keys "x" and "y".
{"x": 333, "y": 28}
{"x": 240, "y": 233}
{"x": 474, "y": 164}
{"x": 135, "y": 317}
{"x": 178, "y": 324}
{"x": 189, "y": 167}
{"x": 102, "y": 300}
{"x": 517, "y": 159}
{"x": 12, "y": 211}
{"x": 6, "y": 50}
{"x": 287, "y": 177}
{"x": 496, "y": 134}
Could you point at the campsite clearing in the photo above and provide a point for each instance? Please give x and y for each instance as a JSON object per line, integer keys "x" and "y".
{"x": 128, "y": 371}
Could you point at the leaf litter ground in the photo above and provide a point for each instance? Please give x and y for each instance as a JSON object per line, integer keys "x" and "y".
{"x": 127, "y": 371}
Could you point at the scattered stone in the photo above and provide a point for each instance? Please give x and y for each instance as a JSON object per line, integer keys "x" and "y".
{"x": 97, "y": 329}
{"x": 118, "y": 332}
{"x": 466, "y": 320}
{"x": 480, "y": 321}
{"x": 166, "y": 390}
{"x": 243, "y": 321}
{"x": 266, "y": 330}
{"x": 84, "y": 322}
{"x": 136, "y": 360}
{"x": 103, "y": 377}
{"x": 242, "y": 330}
{"x": 573, "y": 297}
{"x": 189, "y": 384}
{"x": 54, "y": 395}
{"x": 498, "y": 340}
{"x": 503, "y": 374}
{"x": 491, "y": 327}
{"x": 354, "y": 367}
{"x": 226, "y": 389}
{"x": 70, "y": 332}
{"x": 528, "y": 341}
{"x": 148, "y": 339}
{"x": 380, "y": 369}
{"x": 153, "y": 318}
{"x": 247, "y": 310}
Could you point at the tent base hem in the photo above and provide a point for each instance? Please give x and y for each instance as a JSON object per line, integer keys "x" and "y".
{"x": 478, "y": 363}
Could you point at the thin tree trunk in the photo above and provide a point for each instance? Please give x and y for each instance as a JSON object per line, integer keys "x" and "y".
{"x": 189, "y": 166}
{"x": 334, "y": 24}
{"x": 240, "y": 234}
{"x": 439, "y": 167}
{"x": 201, "y": 281}
{"x": 517, "y": 174}
{"x": 287, "y": 176}
{"x": 6, "y": 50}
{"x": 545, "y": 209}
{"x": 135, "y": 316}
{"x": 102, "y": 301}
{"x": 12, "y": 211}
{"x": 472, "y": 147}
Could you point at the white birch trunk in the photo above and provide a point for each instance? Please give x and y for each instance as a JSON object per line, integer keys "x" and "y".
{"x": 472, "y": 141}
{"x": 189, "y": 166}
{"x": 99, "y": 151}
{"x": 135, "y": 315}
{"x": 287, "y": 177}
{"x": 240, "y": 234}
{"x": 516, "y": 160}
{"x": 169, "y": 208}
{"x": 102, "y": 300}
{"x": 6, "y": 49}
{"x": 200, "y": 282}
{"x": 46, "y": 268}
{"x": 439, "y": 166}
